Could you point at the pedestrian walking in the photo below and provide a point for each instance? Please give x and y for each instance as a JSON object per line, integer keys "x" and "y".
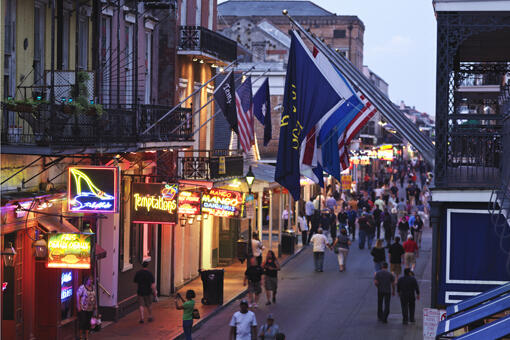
{"x": 407, "y": 286}
{"x": 342, "y": 218}
{"x": 146, "y": 291}
{"x": 417, "y": 229}
{"x": 303, "y": 228}
{"x": 377, "y": 217}
{"x": 285, "y": 217}
{"x": 243, "y": 325}
{"x": 363, "y": 226}
{"x": 319, "y": 243}
{"x": 351, "y": 220}
{"x": 378, "y": 255}
{"x": 403, "y": 228}
{"x": 269, "y": 330}
{"x": 332, "y": 225}
{"x": 396, "y": 252}
{"x": 401, "y": 209}
{"x": 411, "y": 252}
{"x": 309, "y": 210}
{"x": 370, "y": 231}
{"x": 341, "y": 247}
{"x": 387, "y": 226}
{"x": 87, "y": 305}
{"x": 257, "y": 247}
{"x": 187, "y": 311}
{"x": 331, "y": 202}
{"x": 271, "y": 267}
{"x": 385, "y": 283}
{"x": 253, "y": 275}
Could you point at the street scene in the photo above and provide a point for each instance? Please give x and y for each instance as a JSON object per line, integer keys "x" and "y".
{"x": 242, "y": 170}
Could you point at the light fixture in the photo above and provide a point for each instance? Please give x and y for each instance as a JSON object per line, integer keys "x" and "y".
{"x": 199, "y": 218}
{"x": 194, "y": 59}
{"x": 250, "y": 177}
{"x": 201, "y": 61}
{"x": 183, "y": 221}
{"x": 41, "y": 248}
{"x": 214, "y": 66}
{"x": 222, "y": 69}
{"x": 190, "y": 220}
{"x": 9, "y": 254}
{"x": 206, "y": 216}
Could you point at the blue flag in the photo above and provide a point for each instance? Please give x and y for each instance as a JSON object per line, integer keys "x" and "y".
{"x": 308, "y": 97}
{"x": 262, "y": 109}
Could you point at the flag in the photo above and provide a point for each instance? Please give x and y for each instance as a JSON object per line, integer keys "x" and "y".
{"x": 244, "y": 106}
{"x": 353, "y": 128}
{"x": 262, "y": 109}
{"x": 307, "y": 98}
{"x": 321, "y": 146}
{"x": 225, "y": 98}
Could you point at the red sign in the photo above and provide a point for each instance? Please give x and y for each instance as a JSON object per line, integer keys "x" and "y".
{"x": 189, "y": 203}
{"x": 223, "y": 203}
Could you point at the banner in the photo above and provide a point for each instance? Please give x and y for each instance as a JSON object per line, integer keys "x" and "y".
{"x": 154, "y": 203}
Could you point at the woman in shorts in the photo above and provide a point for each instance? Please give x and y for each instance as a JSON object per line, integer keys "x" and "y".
{"x": 271, "y": 268}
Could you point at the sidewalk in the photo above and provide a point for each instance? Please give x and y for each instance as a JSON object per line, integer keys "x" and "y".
{"x": 167, "y": 322}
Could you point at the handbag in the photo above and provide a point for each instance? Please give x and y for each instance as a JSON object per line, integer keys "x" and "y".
{"x": 95, "y": 323}
{"x": 195, "y": 314}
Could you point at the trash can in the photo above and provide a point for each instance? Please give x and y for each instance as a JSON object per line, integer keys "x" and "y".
{"x": 288, "y": 243}
{"x": 242, "y": 250}
{"x": 212, "y": 282}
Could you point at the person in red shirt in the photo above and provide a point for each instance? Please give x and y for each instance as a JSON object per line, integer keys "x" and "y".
{"x": 411, "y": 252}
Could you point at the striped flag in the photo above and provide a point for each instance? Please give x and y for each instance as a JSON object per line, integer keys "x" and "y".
{"x": 244, "y": 106}
{"x": 353, "y": 128}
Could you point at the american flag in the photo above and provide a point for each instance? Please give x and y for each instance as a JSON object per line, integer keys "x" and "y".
{"x": 353, "y": 128}
{"x": 244, "y": 106}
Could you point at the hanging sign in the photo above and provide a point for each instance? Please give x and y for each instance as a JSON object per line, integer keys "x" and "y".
{"x": 189, "y": 202}
{"x": 92, "y": 189}
{"x": 154, "y": 203}
{"x": 69, "y": 250}
{"x": 346, "y": 182}
{"x": 222, "y": 203}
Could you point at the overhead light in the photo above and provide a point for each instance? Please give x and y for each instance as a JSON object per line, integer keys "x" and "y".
{"x": 190, "y": 220}
{"x": 183, "y": 221}
{"x": 214, "y": 66}
{"x": 222, "y": 69}
{"x": 201, "y": 61}
{"x": 194, "y": 59}
{"x": 41, "y": 247}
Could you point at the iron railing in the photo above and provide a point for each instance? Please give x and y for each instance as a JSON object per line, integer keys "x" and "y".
{"x": 211, "y": 164}
{"x": 57, "y": 125}
{"x": 201, "y": 39}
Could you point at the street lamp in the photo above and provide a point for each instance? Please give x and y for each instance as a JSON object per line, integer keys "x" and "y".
{"x": 250, "y": 177}
{"x": 41, "y": 248}
{"x": 8, "y": 255}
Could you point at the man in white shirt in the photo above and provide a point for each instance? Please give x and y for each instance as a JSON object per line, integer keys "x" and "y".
{"x": 285, "y": 217}
{"x": 309, "y": 210}
{"x": 319, "y": 242}
{"x": 243, "y": 325}
{"x": 256, "y": 247}
{"x": 303, "y": 227}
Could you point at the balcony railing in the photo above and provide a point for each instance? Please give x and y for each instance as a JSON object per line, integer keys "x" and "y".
{"x": 44, "y": 125}
{"x": 214, "y": 164}
{"x": 200, "y": 39}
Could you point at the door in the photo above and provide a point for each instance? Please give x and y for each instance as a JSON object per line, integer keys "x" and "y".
{"x": 229, "y": 234}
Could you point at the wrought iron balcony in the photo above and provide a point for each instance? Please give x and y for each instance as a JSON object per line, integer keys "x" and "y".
{"x": 62, "y": 126}
{"x": 214, "y": 164}
{"x": 198, "y": 40}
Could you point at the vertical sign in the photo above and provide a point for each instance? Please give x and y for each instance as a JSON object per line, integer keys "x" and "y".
{"x": 431, "y": 318}
{"x": 222, "y": 169}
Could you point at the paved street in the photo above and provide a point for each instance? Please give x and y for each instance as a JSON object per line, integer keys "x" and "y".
{"x": 332, "y": 305}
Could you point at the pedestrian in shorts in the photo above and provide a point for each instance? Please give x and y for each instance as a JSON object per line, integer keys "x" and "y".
{"x": 271, "y": 268}
{"x": 253, "y": 276}
{"x": 146, "y": 290}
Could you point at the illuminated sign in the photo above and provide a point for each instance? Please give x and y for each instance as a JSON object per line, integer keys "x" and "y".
{"x": 69, "y": 250}
{"x": 189, "y": 202}
{"x": 223, "y": 203}
{"x": 66, "y": 284}
{"x": 4, "y": 285}
{"x": 154, "y": 203}
{"x": 346, "y": 182}
{"x": 92, "y": 189}
{"x": 385, "y": 152}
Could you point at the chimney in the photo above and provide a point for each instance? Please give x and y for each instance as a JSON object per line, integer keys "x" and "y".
{"x": 402, "y": 105}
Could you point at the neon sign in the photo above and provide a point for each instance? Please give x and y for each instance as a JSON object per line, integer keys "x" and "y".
{"x": 66, "y": 284}
{"x": 189, "y": 202}
{"x": 69, "y": 251}
{"x": 222, "y": 203}
{"x": 92, "y": 189}
{"x": 154, "y": 203}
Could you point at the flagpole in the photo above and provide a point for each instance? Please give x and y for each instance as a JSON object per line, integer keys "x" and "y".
{"x": 371, "y": 92}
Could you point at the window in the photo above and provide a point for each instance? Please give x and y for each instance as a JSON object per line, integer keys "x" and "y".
{"x": 146, "y": 239}
{"x": 148, "y": 66}
{"x": 9, "y": 50}
{"x": 106, "y": 36}
{"x": 65, "y": 41}
{"x": 128, "y": 55}
{"x": 83, "y": 31}
{"x": 211, "y": 18}
{"x": 39, "y": 30}
{"x": 183, "y": 12}
{"x": 339, "y": 34}
{"x": 198, "y": 18}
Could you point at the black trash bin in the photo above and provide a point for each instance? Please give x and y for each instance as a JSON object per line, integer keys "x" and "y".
{"x": 242, "y": 250}
{"x": 212, "y": 281}
{"x": 288, "y": 243}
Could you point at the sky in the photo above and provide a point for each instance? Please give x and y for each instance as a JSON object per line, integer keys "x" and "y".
{"x": 399, "y": 45}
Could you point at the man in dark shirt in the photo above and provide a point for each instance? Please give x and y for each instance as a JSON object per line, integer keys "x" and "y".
{"x": 363, "y": 228}
{"x": 146, "y": 290}
{"x": 377, "y": 213}
{"x": 351, "y": 219}
{"x": 406, "y": 287}
{"x": 396, "y": 252}
{"x": 253, "y": 275}
{"x": 385, "y": 283}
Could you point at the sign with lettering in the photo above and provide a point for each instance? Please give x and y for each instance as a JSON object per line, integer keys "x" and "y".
{"x": 66, "y": 285}
{"x": 154, "y": 203}
{"x": 222, "y": 203}
{"x": 92, "y": 189}
{"x": 189, "y": 202}
{"x": 69, "y": 250}
{"x": 346, "y": 182}
{"x": 431, "y": 318}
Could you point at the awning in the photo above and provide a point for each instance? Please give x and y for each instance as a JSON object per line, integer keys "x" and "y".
{"x": 56, "y": 224}
{"x": 100, "y": 252}
{"x": 477, "y": 313}
{"x": 494, "y": 330}
{"x": 478, "y": 299}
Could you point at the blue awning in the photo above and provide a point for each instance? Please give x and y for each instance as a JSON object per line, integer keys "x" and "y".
{"x": 477, "y": 313}
{"x": 478, "y": 299}
{"x": 493, "y": 330}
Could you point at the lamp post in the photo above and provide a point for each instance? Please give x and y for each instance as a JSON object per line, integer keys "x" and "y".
{"x": 250, "y": 177}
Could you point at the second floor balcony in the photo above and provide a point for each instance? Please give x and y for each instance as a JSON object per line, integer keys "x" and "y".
{"x": 65, "y": 126}
{"x": 200, "y": 41}
{"x": 211, "y": 165}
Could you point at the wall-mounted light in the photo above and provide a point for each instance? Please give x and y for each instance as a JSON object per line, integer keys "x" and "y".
{"x": 183, "y": 220}
{"x": 206, "y": 216}
{"x": 190, "y": 220}
{"x": 9, "y": 254}
{"x": 41, "y": 248}
{"x": 199, "y": 218}
{"x": 201, "y": 61}
{"x": 195, "y": 59}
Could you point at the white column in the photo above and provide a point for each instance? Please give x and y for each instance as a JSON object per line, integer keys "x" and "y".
{"x": 271, "y": 219}
{"x": 259, "y": 213}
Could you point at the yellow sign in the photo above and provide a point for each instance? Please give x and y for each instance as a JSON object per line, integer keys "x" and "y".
{"x": 346, "y": 182}
{"x": 69, "y": 251}
{"x": 222, "y": 169}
